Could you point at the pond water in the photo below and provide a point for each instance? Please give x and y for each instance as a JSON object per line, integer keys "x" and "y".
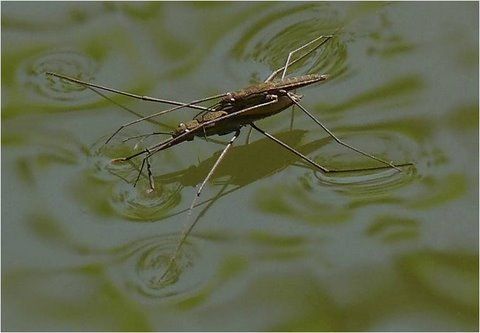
{"x": 277, "y": 245}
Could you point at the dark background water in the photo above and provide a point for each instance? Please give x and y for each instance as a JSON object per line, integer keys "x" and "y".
{"x": 277, "y": 245}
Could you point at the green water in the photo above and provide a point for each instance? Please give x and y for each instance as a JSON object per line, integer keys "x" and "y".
{"x": 277, "y": 246}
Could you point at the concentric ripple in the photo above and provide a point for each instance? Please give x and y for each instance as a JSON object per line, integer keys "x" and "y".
{"x": 372, "y": 181}
{"x": 65, "y": 62}
{"x": 271, "y": 38}
{"x": 369, "y": 182}
{"x": 118, "y": 193}
{"x": 143, "y": 205}
{"x": 329, "y": 58}
{"x": 143, "y": 263}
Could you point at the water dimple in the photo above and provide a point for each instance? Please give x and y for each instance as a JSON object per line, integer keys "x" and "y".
{"x": 329, "y": 58}
{"x": 373, "y": 181}
{"x": 144, "y": 263}
{"x": 68, "y": 63}
{"x": 152, "y": 267}
{"x": 368, "y": 182}
{"x": 133, "y": 202}
{"x": 269, "y": 41}
{"x": 140, "y": 204}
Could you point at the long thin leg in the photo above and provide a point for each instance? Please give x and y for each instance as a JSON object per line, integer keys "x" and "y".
{"x": 144, "y": 136}
{"x": 150, "y": 175}
{"x": 135, "y": 147}
{"x": 125, "y": 108}
{"x": 301, "y": 48}
{"x": 208, "y": 201}
{"x": 151, "y": 182}
{"x": 144, "y": 98}
{"x": 218, "y": 142}
{"x": 159, "y": 114}
{"x": 296, "y": 152}
{"x": 315, "y": 164}
{"x": 179, "y": 105}
{"x": 248, "y": 135}
{"x": 182, "y": 137}
{"x": 139, "y": 172}
{"x": 145, "y": 151}
{"x": 382, "y": 167}
{"x": 337, "y": 139}
{"x": 292, "y": 117}
{"x": 189, "y": 228}
{"x": 288, "y": 62}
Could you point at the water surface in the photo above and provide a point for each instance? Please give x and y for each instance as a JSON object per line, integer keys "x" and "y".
{"x": 278, "y": 246}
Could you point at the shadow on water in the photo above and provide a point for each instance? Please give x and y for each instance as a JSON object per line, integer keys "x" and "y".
{"x": 236, "y": 171}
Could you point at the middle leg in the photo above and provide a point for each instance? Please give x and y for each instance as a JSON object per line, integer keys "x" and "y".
{"x": 189, "y": 228}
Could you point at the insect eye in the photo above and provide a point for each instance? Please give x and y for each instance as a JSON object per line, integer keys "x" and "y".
{"x": 230, "y": 97}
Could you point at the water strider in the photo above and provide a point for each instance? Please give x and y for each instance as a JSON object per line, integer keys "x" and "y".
{"x": 231, "y": 112}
